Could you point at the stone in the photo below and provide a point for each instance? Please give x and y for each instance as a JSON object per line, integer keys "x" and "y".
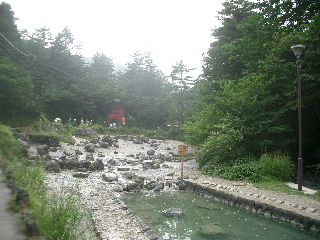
{"x": 124, "y": 169}
{"x": 97, "y": 165}
{"x": 150, "y": 152}
{"x": 310, "y": 209}
{"x": 117, "y": 188}
{"x": 212, "y": 229}
{"x": 90, "y": 147}
{"x": 78, "y": 152}
{"x": 103, "y": 144}
{"x": 30, "y": 227}
{"x": 80, "y": 175}
{"x": 112, "y": 162}
{"x": 42, "y": 149}
{"x": 110, "y": 177}
{"x": 172, "y": 212}
{"x": 22, "y": 198}
{"x": 148, "y": 164}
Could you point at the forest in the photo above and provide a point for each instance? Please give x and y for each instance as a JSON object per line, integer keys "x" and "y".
{"x": 242, "y": 106}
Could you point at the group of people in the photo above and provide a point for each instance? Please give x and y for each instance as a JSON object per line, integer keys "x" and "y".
{"x": 74, "y": 122}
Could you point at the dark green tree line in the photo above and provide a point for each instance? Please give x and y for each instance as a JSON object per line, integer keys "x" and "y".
{"x": 246, "y": 102}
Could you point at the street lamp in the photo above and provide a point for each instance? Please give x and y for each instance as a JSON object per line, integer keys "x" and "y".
{"x": 298, "y": 49}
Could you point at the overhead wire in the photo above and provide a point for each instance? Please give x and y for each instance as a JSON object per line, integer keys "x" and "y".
{"x": 46, "y": 64}
{"x": 55, "y": 68}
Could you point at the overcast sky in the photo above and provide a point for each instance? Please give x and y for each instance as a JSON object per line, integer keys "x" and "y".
{"x": 171, "y": 30}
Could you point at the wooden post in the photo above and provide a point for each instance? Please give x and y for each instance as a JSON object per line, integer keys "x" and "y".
{"x": 28, "y": 131}
{"x": 183, "y": 151}
{"x": 40, "y": 126}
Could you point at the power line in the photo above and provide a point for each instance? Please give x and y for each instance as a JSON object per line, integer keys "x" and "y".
{"x": 48, "y": 65}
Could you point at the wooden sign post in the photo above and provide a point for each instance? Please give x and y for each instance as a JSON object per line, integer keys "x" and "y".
{"x": 28, "y": 131}
{"x": 183, "y": 151}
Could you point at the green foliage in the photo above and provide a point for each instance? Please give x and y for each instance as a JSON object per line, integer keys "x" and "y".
{"x": 278, "y": 166}
{"x": 16, "y": 92}
{"x": 155, "y": 133}
{"x": 176, "y": 134}
{"x": 144, "y": 91}
{"x": 270, "y": 167}
{"x": 60, "y": 216}
{"x": 9, "y": 146}
{"x": 222, "y": 146}
{"x": 57, "y": 217}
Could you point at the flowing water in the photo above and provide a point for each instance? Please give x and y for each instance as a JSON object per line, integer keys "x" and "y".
{"x": 201, "y": 213}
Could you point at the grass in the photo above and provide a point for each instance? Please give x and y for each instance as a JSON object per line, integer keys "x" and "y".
{"x": 57, "y": 216}
{"x": 276, "y": 185}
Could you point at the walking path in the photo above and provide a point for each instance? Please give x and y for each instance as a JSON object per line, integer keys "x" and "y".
{"x": 10, "y": 228}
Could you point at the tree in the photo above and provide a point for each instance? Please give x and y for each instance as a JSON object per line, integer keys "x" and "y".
{"x": 182, "y": 82}
{"x": 8, "y": 32}
{"x": 16, "y": 93}
{"x": 143, "y": 91}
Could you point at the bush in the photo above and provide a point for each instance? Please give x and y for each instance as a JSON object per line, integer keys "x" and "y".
{"x": 277, "y": 165}
{"x": 221, "y": 147}
{"x": 155, "y": 133}
{"x": 176, "y": 134}
{"x": 9, "y": 146}
{"x": 250, "y": 171}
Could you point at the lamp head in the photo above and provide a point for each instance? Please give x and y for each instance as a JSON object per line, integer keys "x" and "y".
{"x": 298, "y": 49}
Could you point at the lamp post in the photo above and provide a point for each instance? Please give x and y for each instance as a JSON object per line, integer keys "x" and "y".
{"x": 298, "y": 49}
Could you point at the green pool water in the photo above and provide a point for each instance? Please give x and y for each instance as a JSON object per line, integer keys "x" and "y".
{"x": 198, "y": 212}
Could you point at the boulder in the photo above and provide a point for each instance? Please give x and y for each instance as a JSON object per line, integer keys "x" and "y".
{"x": 97, "y": 165}
{"x": 107, "y": 139}
{"x": 42, "y": 149}
{"x": 78, "y": 152}
{"x": 90, "y": 147}
{"x": 110, "y": 177}
{"x": 212, "y": 229}
{"x": 22, "y": 198}
{"x": 173, "y": 212}
{"x": 81, "y": 175}
{"x": 148, "y": 164}
{"x": 151, "y": 152}
{"x": 103, "y": 144}
{"x": 112, "y": 162}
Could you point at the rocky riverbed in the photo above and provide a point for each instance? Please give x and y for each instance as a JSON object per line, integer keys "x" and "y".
{"x": 102, "y": 169}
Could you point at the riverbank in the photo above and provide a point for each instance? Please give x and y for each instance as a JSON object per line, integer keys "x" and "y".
{"x": 101, "y": 170}
{"x": 129, "y": 167}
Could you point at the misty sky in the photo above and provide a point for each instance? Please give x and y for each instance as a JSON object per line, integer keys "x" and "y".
{"x": 172, "y": 30}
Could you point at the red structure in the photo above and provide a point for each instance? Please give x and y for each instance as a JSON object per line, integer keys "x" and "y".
{"x": 117, "y": 114}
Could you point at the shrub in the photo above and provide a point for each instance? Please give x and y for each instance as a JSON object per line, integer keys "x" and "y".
{"x": 155, "y": 133}
{"x": 60, "y": 217}
{"x": 9, "y": 147}
{"x": 221, "y": 147}
{"x": 276, "y": 165}
{"x": 176, "y": 134}
{"x": 250, "y": 171}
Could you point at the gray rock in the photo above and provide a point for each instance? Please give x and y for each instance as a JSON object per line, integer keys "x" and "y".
{"x": 22, "y": 198}
{"x": 151, "y": 152}
{"x": 124, "y": 169}
{"x": 42, "y": 149}
{"x": 81, "y": 175}
{"x": 212, "y": 229}
{"x": 103, "y": 144}
{"x": 112, "y": 162}
{"x": 173, "y": 212}
{"x": 110, "y": 177}
{"x": 90, "y": 147}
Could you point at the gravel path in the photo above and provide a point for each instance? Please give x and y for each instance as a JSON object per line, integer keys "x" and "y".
{"x": 111, "y": 218}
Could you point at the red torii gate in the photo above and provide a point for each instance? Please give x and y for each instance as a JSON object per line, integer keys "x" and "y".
{"x": 117, "y": 113}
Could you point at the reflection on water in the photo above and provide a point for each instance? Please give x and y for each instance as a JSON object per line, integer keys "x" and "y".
{"x": 201, "y": 214}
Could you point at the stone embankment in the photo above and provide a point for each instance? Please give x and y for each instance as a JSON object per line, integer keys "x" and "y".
{"x": 102, "y": 169}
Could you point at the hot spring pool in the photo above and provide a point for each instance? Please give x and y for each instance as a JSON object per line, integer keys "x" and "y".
{"x": 200, "y": 213}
